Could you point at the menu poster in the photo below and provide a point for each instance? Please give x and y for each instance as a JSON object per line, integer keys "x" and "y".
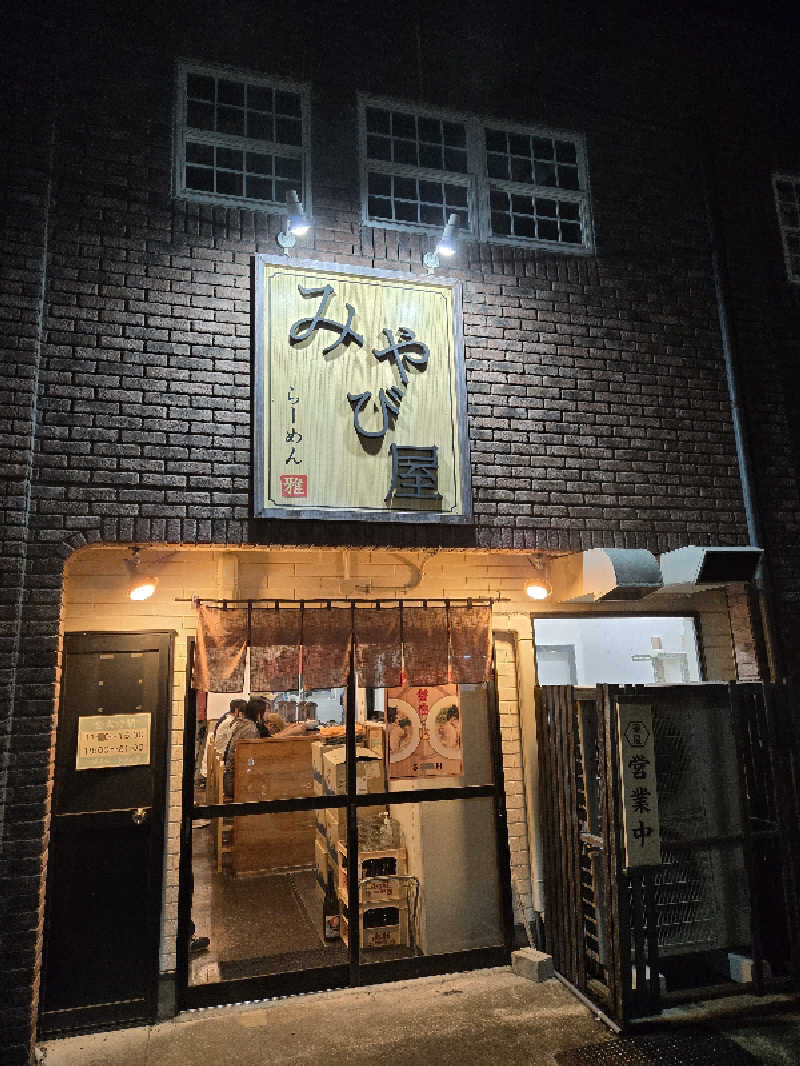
{"x": 423, "y": 728}
{"x": 106, "y": 740}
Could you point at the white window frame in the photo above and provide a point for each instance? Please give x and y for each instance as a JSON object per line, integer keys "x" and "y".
{"x": 182, "y": 132}
{"x": 792, "y": 179}
{"x": 478, "y": 224}
{"x": 469, "y": 226}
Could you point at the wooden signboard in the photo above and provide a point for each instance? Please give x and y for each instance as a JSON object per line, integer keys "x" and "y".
{"x": 360, "y": 395}
{"x": 639, "y": 793}
{"x": 106, "y": 740}
{"x": 423, "y": 729}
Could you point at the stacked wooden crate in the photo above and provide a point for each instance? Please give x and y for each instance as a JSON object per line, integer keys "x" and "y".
{"x": 383, "y": 896}
{"x": 329, "y": 775}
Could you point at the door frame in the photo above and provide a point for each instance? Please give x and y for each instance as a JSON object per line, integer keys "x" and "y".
{"x": 355, "y": 972}
{"x": 107, "y": 1015}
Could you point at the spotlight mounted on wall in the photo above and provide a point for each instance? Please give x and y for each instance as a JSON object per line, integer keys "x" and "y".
{"x": 297, "y": 225}
{"x": 539, "y": 588}
{"x": 446, "y": 245}
{"x": 142, "y": 585}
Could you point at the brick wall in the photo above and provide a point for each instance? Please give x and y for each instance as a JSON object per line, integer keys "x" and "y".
{"x": 597, "y": 399}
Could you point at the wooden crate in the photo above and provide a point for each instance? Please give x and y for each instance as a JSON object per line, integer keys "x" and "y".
{"x": 373, "y": 891}
{"x": 381, "y": 936}
{"x": 336, "y": 822}
{"x": 370, "y": 771}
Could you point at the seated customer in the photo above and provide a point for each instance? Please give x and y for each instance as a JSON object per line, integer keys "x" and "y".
{"x": 274, "y": 726}
{"x": 224, "y": 726}
{"x": 245, "y": 728}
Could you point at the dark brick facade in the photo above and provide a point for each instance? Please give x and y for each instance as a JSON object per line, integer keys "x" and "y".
{"x": 598, "y": 403}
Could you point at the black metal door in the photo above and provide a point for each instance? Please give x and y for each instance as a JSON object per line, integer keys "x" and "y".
{"x": 105, "y": 866}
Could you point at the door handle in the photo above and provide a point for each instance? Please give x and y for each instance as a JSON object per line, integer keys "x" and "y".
{"x": 140, "y": 815}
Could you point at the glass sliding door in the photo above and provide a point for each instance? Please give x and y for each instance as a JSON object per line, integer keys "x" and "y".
{"x": 364, "y": 840}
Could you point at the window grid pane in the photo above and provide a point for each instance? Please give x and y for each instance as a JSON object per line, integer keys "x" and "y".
{"x": 250, "y": 112}
{"x": 235, "y": 172}
{"x": 787, "y": 200}
{"x": 543, "y": 218}
{"x": 222, "y": 104}
{"x": 416, "y": 140}
{"x": 532, "y": 159}
{"x": 396, "y": 198}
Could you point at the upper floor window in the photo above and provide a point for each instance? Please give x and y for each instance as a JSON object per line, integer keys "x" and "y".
{"x": 787, "y": 201}
{"x": 508, "y": 184}
{"x": 240, "y": 138}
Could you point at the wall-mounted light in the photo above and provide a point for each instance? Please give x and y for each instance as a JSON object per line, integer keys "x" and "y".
{"x": 142, "y": 585}
{"x": 539, "y": 588}
{"x": 297, "y": 225}
{"x": 143, "y": 589}
{"x": 445, "y": 246}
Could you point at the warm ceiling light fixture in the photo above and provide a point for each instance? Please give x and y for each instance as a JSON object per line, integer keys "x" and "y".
{"x": 445, "y": 246}
{"x": 142, "y": 585}
{"x": 143, "y": 589}
{"x": 297, "y": 225}
{"x": 539, "y": 588}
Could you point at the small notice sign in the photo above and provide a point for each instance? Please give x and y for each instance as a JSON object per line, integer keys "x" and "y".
{"x": 639, "y": 794}
{"x": 106, "y": 740}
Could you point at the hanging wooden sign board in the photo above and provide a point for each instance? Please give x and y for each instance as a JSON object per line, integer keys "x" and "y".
{"x": 360, "y": 398}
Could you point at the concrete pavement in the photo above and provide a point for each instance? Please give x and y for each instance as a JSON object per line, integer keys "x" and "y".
{"x": 467, "y": 1019}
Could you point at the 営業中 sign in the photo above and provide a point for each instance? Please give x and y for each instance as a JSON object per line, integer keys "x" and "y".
{"x": 106, "y": 740}
{"x": 639, "y": 793}
{"x": 360, "y": 395}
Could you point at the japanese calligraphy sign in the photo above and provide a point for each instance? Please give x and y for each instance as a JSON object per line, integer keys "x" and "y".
{"x": 423, "y": 729}
{"x": 639, "y": 795}
{"x": 106, "y": 740}
{"x": 360, "y": 395}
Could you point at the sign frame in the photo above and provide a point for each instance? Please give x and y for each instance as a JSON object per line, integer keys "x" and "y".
{"x": 461, "y": 426}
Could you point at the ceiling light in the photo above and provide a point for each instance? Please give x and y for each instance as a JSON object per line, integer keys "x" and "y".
{"x": 538, "y": 592}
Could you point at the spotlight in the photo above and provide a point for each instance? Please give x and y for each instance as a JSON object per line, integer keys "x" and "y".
{"x": 446, "y": 245}
{"x": 297, "y": 225}
{"x": 538, "y": 592}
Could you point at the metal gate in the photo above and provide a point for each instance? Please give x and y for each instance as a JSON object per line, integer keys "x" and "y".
{"x": 722, "y": 907}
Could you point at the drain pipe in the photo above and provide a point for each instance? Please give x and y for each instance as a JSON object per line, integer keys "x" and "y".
{"x": 729, "y": 351}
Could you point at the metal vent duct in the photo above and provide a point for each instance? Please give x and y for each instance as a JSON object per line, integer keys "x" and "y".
{"x": 604, "y": 574}
{"x": 686, "y": 568}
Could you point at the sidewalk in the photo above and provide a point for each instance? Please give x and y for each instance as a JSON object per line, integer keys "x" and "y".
{"x": 468, "y": 1019}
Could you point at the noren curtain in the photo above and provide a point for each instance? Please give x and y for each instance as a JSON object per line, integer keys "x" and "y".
{"x": 393, "y": 645}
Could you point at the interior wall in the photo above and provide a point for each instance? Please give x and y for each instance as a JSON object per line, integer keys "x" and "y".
{"x": 95, "y": 599}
